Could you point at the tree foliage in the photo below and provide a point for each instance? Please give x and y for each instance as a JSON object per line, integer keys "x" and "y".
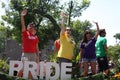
{"x": 5, "y": 32}
{"x": 117, "y": 37}
{"x": 114, "y": 55}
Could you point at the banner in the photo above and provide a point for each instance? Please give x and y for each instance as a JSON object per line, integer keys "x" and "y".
{"x": 49, "y": 70}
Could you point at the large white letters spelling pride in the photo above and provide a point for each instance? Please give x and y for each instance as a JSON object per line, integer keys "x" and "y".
{"x": 62, "y": 73}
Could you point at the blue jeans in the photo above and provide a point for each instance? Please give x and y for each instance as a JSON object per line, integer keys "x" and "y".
{"x": 89, "y": 60}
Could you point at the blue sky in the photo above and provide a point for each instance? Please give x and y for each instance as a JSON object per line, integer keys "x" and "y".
{"x": 105, "y": 12}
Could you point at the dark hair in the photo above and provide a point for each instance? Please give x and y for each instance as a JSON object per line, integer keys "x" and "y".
{"x": 101, "y": 31}
{"x": 32, "y": 24}
{"x": 84, "y": 36}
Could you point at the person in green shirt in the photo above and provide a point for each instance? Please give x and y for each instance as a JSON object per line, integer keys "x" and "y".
{"x": 101, "y": 52}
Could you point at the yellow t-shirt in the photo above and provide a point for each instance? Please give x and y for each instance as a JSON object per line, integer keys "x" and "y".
{"x": 66, "y": 47}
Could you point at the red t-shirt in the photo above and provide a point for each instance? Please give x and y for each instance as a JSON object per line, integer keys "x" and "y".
{"x": 57, "y": 44}
{"x": 29, "y": 42}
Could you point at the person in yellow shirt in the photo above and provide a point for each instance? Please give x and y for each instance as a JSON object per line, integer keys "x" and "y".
{"x": 67, "y": 44}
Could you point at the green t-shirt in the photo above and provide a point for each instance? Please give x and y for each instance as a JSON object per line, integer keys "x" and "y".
{"x": 100, "y": 51}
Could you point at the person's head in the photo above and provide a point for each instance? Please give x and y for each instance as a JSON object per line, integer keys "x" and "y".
{"x": 87, "y": 36}
{"x": 102, "y": 32}
{"x": 68, "y": 31}
{"x": 31, "y": 28}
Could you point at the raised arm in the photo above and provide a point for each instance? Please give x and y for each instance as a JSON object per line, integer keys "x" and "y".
{"x": 97, "y": 33}
{"x": 23, "y": 13}
{"x": 62, "y": 23}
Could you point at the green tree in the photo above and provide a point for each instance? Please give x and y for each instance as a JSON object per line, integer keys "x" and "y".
{"x": 75, "y": 9}
{"x": 117, "y": 37}
{"x": 114, "y": 55}
{"x": 5, "y": 32}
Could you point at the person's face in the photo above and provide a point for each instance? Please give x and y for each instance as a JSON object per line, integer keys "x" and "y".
{"x": 33, "y": 30}
{"x": 88, "y": 35}
{"x": 68, "y": 32}
{"x": 104, "y": 33}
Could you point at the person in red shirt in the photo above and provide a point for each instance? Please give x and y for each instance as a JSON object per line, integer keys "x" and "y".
{"x": 57, "y": 45}
{"x": 30, "y": 50}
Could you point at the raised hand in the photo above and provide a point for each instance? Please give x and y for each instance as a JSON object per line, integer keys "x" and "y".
{"x": 62, "y": 22}
{"x": 95, "y": 22}
{"x": 97, "y": 33}
{"x": 24, "y": 12}
{"x": 63, "y": 15}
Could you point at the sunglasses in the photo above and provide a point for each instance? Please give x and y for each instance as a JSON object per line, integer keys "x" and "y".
{"x": 32, "y": 25}
{"x": 88, "y": 33}
{"x": 68, "y": 30}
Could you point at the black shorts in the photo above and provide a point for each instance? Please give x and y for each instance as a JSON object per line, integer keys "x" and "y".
{"x": 59, "y": 59}
{"x": 102, "y": 63}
